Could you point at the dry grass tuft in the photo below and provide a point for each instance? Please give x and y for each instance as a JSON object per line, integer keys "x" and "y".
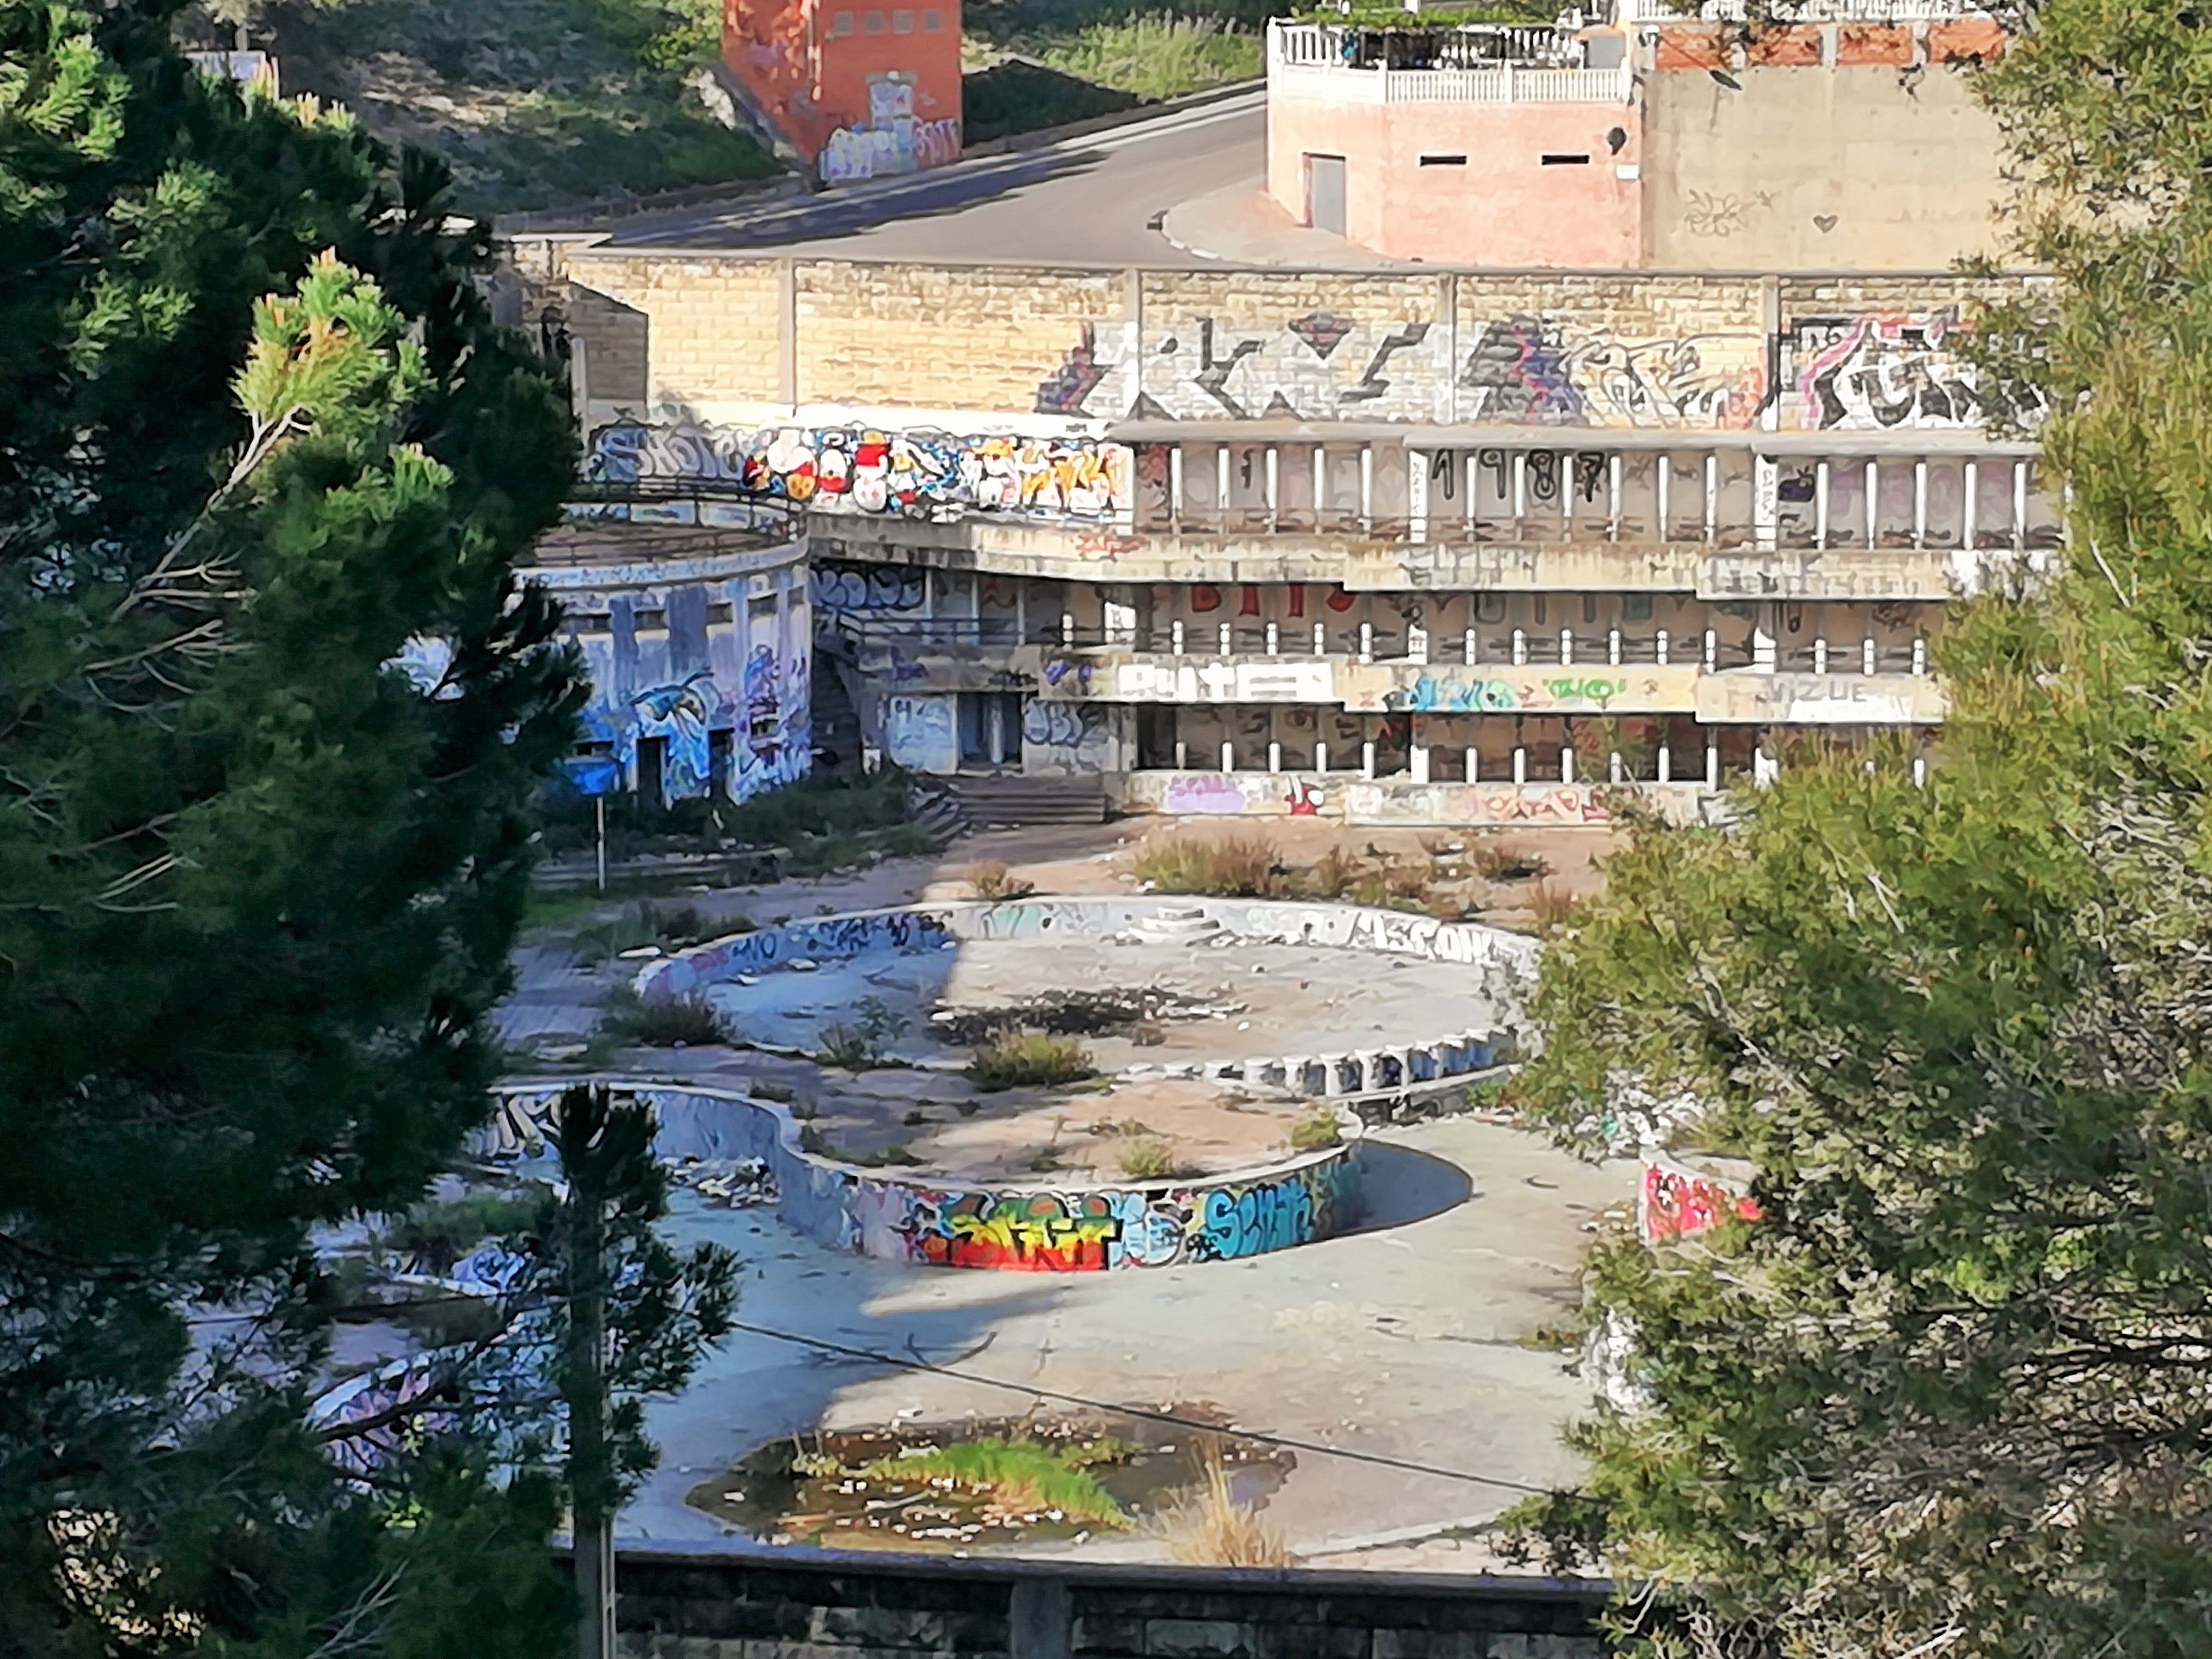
{"x": 990, "y": 881}
{"x": 1211, "y": 1529}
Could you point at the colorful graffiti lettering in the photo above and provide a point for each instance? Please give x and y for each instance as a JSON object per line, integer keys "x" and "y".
{"x": 1599, "y": 691}
{"x": 891, "y": 141}
{"x": 1254, "y": 1221}
{"x": 1306, "y": 799}
{"x": 1523, "y": 369}
{"x": 1678, "y": 1204}
{"x": 1033, "y": 1232}
{"x": 921, "y": 473}
{"x": 1205, "y": 794}
{"x": 1081, "y": 735}
{"x": 1430, "y": 695}
{"x": 919, "y": 733}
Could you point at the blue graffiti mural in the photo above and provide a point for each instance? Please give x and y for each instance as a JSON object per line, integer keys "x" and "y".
{"x": 1430, "y": 695}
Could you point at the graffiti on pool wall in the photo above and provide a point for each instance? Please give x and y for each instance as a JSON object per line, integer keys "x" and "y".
{"x": 1095, "y": 1231}
{"x": 1677, "y": 1203}
{"x": 924, "y": 473}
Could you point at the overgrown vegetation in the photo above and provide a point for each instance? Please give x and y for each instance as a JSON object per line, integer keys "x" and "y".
{"x": 436, "y": 1234}
{"x": 1018, "y": 1475}
{"x": 1317, "y": 1130}
{"x": 534, "y": 103}
{"x": 1029, "y": 1060}
{"x": 1228, "y": 867}
{"x": 663, "y": 1023}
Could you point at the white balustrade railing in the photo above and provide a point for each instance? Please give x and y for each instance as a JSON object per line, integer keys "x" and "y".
{"x": 1297, "y": 65}
{"x": 1631, "y": 12}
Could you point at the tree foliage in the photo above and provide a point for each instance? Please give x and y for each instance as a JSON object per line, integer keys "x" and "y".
{"x": 1946, "y": 1396}
{"x": 257, "y": 887}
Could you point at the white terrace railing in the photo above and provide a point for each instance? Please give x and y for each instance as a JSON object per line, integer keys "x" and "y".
{"x": 1323, "y": 60}
{"x": 1631, "y": 12}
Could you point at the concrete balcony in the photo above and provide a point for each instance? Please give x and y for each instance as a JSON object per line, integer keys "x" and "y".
{"x": 1630, "y": 12}
{"x": 1443, "y": 65}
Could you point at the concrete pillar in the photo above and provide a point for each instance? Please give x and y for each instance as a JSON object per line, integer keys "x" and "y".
{"x": 1227, "y": 639}
{"x": 1367, "y": 641}
{"x": 1418, "y": 759}
{"x": 1275, "y": 755}
{"x": 1659, "y": 648}
{"x": 1175, "y": 636}
{"x": 1227, "y": 755}
{"x": 1666, "y": 764}
{"x": 1367, "y": 759}
{"x": 1274, "y": 634}
{"x": 1473, "y": 763}
{"x": 1321, "y": 756}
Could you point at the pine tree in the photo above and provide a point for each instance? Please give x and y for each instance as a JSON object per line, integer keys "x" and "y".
{"x": 1946, "y": 1396}
{"x": 258, "y": 434}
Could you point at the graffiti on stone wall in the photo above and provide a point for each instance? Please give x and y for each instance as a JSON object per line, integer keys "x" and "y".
{"x": 1525, "y": 370}
{"x": 1319, "y": 366}
{"x": 1677, "y": 1203}
{"x": 1874, "y": 373}
{"x": 920, "y": 473}
{"x": 919, "y": 733}
{"x": 891, "y": 141}
{"x": 1077, "y": 736}
{"x": 866, "y": 586}
{"x": 1481, "y": 804}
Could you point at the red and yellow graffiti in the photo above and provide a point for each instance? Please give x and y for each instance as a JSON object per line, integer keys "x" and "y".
{"x": 1035, "y": 1232}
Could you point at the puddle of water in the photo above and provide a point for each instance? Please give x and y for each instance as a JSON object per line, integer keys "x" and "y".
{"x": 846, "y": 1490}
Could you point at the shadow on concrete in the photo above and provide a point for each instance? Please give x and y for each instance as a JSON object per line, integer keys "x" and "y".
{"x": 1400, "y": 1185}
{"x": 837, "y": 213}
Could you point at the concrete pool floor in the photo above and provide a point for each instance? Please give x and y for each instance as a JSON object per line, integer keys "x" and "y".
{"x": 1410, "y": 1341}
{"x": 1261, "y": 998}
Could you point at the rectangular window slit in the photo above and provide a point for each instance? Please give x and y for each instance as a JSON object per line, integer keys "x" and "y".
{"x": 1567, "y": 160}
{"x": 1444, "y": 160}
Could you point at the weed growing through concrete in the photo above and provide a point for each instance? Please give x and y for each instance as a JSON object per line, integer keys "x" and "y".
{"x": 1029, "y": 1059}
{"x": 990, "y": 880}
{"x": 673, "y": 1023}
{"x": 1211, "y": 1529}
{"x": 1236, "y": 866}
{"x": 1149, "y": 1157}
{"x": 861, "y": 1046}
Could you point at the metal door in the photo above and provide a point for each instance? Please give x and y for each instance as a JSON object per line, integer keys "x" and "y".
{"x": 1325, "y": 193}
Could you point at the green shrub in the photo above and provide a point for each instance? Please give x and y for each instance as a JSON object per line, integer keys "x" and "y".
{"x": 440, "y": 1232}
{"x": 1493, "y": 861}
{"x": 991, "y": 880}
{"x": 1147, "y": 1159}
{"x": 859, "y": 1047}
{"x": 671, "y": 1023}
{"x": 1317, "y": 1129}
{"x": 1236, "y": 866}
{"x": 1029, "y": 1059}
{"x": 1017, "y": 1474}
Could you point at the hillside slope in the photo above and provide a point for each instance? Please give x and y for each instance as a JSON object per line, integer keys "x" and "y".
{"x": 536, "y": 103}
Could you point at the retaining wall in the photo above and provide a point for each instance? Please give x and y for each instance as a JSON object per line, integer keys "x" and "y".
{"x": 1023, "y": 1227}
{"x": 675, "y": 1606}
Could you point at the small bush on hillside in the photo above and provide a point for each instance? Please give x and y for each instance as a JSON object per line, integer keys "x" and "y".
{"x": 1237, "y": 867}
{"x": 1029, "y": 1060}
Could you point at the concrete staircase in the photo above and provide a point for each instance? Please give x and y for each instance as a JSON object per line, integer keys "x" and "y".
{"x": 993, "y": 799}
{"x": 836, "y": 722}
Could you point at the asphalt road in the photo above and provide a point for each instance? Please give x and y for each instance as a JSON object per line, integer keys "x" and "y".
{"x": 1087, "y": 201}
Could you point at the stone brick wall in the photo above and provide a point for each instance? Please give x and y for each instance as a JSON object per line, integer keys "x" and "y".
{"x": 735, "y": 340}
{"x": 673, "y": 1606}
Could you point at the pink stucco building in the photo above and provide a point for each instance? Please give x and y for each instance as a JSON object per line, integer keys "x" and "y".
{"x": 1652, "y": 139}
